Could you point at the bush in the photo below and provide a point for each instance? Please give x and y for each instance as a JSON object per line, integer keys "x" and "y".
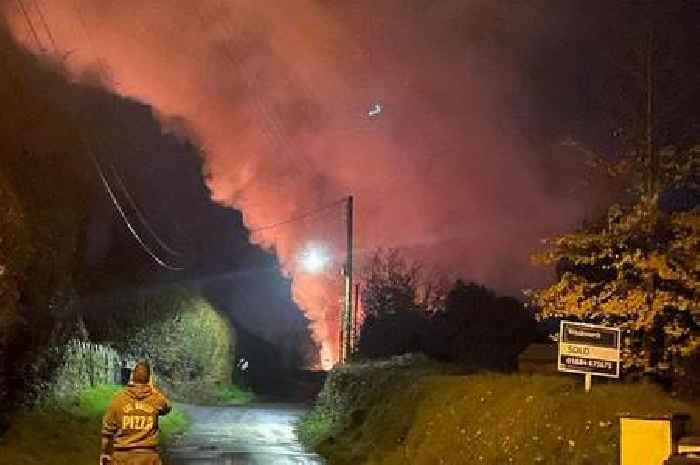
{"x": 351, "y": 389}
{"x": 14, "y": 251}
{"x": 190, "y": 345}
{"x": 686, "y": 382}
{"x": 483, "y": 330}
{"x": 233, "y": 395}
{"x": 394, "y": 334}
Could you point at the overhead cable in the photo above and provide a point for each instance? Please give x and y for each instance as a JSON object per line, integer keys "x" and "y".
{"x": 98, "y": 167}
{"x": 37, "y": 6}
{"x": 303, "y": 216}
{"x": 119, "y": 209}
{"x": 140, "y": 214}
{"x": 32, "y": 29}
{"x": 88, "y": 149}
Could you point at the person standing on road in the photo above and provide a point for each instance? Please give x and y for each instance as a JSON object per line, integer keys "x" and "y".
{"x": 242, "y": 366}
{"x": 130, "y": 425}
{"x": 125, "y": 373}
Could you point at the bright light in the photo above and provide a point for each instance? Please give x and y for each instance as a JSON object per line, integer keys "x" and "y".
{"x": 314, "y": 259}
{"x": 375, "y": 110}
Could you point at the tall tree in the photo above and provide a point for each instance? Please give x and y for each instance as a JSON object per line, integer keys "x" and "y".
{"x": 483, "y": 330}
{"x": 391, "y": 284}
{"x": 639, "y": 265}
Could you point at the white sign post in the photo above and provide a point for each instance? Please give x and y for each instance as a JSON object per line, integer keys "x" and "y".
{"x": 589, "y": 349}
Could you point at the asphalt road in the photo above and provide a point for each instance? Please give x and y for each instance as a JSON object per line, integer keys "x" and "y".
{"x": 250, "y": 435}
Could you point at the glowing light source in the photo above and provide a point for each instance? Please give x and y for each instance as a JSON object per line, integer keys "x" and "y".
{"x": 314, "y": 259}
{"x": 376, "y": 110}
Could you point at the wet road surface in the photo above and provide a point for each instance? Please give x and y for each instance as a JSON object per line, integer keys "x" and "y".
{"x": 248, "y": 435}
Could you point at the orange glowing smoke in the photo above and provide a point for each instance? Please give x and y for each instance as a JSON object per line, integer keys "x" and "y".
{"x": 277, "y": 94}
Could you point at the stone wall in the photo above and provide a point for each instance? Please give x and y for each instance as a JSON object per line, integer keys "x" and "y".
{"x": 83, "y": 365}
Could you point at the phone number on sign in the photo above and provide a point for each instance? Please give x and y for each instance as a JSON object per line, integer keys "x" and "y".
{"x": 582, "y": 362}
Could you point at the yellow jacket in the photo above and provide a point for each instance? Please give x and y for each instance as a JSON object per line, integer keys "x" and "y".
{"x": 131, "y": 419}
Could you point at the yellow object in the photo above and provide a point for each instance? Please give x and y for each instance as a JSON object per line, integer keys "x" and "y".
{"x": 690, "y": 444}
{"x": 648, "y": 441}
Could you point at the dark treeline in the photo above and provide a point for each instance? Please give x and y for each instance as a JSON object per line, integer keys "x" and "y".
{"x": 458, "y": 322}
{"x": 44, "y": 196}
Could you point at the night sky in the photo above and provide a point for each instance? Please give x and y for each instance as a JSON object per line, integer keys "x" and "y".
{"x": 463, "y": 169}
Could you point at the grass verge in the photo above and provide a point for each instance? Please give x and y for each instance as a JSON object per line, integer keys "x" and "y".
{"x": 415, "y": 416}
{"x": 67, "y": 432}
{"x": 220, "y": 395}
{"x": 233, "y": 395}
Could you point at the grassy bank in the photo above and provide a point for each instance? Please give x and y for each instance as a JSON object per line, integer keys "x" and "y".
{"x": 415, "y": 416}
{"x": 220, "y": 395}
{"x": 233, "y": 395}
{"x": 67, "y": 432}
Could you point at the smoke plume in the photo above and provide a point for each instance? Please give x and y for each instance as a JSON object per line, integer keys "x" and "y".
{"x": 278, "y": 96}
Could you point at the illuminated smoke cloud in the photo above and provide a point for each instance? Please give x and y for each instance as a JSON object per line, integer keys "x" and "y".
{"x": 407, "y": 105}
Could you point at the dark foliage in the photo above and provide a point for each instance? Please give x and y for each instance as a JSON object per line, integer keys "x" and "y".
{"x": 478, "y": 328}
{"x": 43, "y": 196}
{"x": 467, "y": 324}
{"x": 687, "y": 383}
{"x": 395, "y": 334}
{"x": 391, "y": 285}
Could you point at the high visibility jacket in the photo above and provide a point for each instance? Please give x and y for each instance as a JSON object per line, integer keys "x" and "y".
{"x": 131, "y": 419}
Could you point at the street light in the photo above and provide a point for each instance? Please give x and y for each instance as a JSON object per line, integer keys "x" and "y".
{"x": 314, "y": 259}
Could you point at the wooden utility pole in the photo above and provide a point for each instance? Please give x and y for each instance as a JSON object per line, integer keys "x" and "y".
{"x": 348, "y": 310}
{"x": 341, "y": 330}
{"x": 355, "y": 312}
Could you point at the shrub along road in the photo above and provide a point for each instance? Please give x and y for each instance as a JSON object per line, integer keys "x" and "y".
{"x": 261, "y": 434}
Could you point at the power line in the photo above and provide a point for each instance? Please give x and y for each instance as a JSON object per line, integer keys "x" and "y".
{"x": 140, "y": 214}
{"x": 303, "y": 216}
{"x": 118, "y": 121}
{"x": 125, "y": 190}
{"x": 46, "y": 25}
{"x": 119, "y": 209}
{"x": 32, "y": 29}
{"x": 275, "y": 131}
{"x": 100, "y": 171}
{"x": 271, "y": 126}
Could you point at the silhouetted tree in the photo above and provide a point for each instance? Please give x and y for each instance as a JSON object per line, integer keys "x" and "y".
{"x": 393, "y": 322}
{"x": 44, "y": 192}
{"x": 467, "y": 324}
{"x": 481, "y": 329}
{"x": 637, "y": 265}
{"x": 394, "y": 334}
{"x": 390, "y": 284}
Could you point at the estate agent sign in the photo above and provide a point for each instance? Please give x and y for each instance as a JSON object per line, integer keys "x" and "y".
{"x": 589, "y": 349}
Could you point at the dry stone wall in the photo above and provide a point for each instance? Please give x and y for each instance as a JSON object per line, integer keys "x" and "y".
{"x": 84, "y": 365}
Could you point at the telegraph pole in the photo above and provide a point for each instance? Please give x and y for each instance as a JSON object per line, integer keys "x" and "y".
{"x": 348, "y": 310}
{"x": 355, "y": 313}
{"x": 341, "y": 326}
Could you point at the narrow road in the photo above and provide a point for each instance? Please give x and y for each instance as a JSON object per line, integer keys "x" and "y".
{"x": 250, "y": 435}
